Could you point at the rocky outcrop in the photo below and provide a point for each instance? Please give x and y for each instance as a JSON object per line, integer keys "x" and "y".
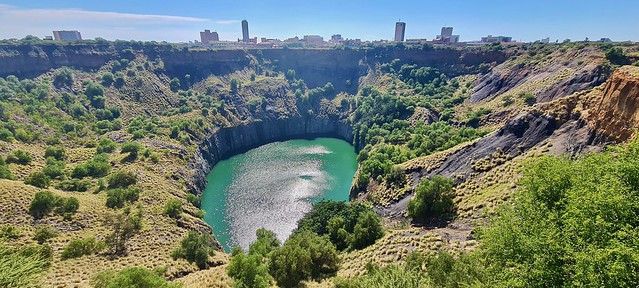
{"x": 554, "y": 76}
{"x": 616, "y": 115}
{"x": 230, "y": 141}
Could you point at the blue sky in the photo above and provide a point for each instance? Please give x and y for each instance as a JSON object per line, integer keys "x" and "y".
{"x": 369, "y": 20}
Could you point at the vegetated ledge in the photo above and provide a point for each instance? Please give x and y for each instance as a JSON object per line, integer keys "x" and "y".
{"x": 230, "y": 141}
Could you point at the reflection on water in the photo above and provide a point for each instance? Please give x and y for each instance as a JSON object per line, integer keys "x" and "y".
{"x": 273, "y": 186}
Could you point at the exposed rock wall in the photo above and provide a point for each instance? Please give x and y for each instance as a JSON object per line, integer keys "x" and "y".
{"x": 227, "y": 142}
{"x": 616, "y": 114}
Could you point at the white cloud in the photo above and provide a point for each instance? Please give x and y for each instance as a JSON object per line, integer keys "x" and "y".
{"x": 18, "y": 22}
{"x": 227, "y": 22}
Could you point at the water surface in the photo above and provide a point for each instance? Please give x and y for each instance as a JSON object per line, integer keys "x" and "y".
{"x": 273, "y": 186}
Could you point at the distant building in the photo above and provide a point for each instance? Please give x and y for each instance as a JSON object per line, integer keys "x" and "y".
{"x": 48, "y": 38}
{"x": 67, "y": 35}
{"x": 416, "y": 41}
{"x": 495, "y": 39}
{"x": 245, "y": 31}
{"x": 313, "y": 40}
{"x": 605, "y": 40}
{"x": 400, "y": 30}
{"x": 545, "y": 40}
{"x": 336, "y": 38}
{"x": 207, "y": 37}
{"x": 447, "y": 36}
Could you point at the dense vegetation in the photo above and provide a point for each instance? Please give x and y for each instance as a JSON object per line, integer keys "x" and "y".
{"x": 573, "y": 223}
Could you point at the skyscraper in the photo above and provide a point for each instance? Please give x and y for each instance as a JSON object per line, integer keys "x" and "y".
{"x": 400, "y": 30}
{"x": 447, "y": 32}
{"x": 245, "y": 32}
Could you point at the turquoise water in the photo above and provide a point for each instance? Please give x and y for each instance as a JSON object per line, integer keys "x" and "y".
{"x": 273, "y": 186}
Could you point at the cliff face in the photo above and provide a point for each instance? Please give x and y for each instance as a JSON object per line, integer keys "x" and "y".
{"x": 616, "y": 114}
{"x": 227, "y": 142}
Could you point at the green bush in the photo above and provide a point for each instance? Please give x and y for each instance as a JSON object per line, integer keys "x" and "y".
{"x": 5, "y": 173}
{"x": 54, "y": 168}
{"x": 56, "y": 152}
{"x": 98, "y": 167}
{"x": 132, "y": 148}
{"x": 433, "y": 199}
{"x": 175, "y": 84}
{"x": 46, "y": 202}
{"x": 63, "y": 77}
{"x": 117, "y": 198}
{"x": 79, "y": 185}
{"x": 38, "y": 179}
{"x": 304, "y": 256}
{"x": 44, "y": 233}
{"x": 107, "y": 79}
{"x": 106, "y": 145}
{"x": 23, "y": 135}
{"x": 134, "y": 277}
{"x": 196, "y": 201}
{"x": 9, "y": 232}
{"x": 124, "y": 225}
{"x": 18, "y": 157}
{"x": 122, "y": 179}
{"x": 367, "y": 230}
{"x": 195, "y": 248}
{"x": 80, "y": 247}
{"x": 173, "y": 208}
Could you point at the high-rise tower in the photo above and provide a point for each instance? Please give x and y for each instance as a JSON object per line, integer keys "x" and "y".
{"x": 400, "y": 29}
{"x": 245, "y": 32}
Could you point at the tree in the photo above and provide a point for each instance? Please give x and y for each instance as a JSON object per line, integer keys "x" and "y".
{"x": 132, "y": 148}
{"x": 122, "y": 179}
{"x": 18, "y": 157}
{"x": 38, "y": 179}
{"x": 56, "y": 152}
{"x": 248, "y": 271}
{"x": 117, "y": 198}
{"x": 107, "y": 79}
{"x": 433, "y": 198}
{"x": 43, "y": 203}
{"x": 173, "y": 208}
{"x": 106, "y": 145}
{"x": 234, "y": 85}
{"x": 175, "y": 84}
{"x": 305, "y": 255}
{"x": 195, "y": 248}
{"x": 616, "y": 56}
{"x": 124, "y": 225}
{"x": 80, "y": 247}
{"x": 134, "y": 277}
{"x": 63, "y": 77}
{"x": 367, "y": 230}
{"x": 290, "y": 75}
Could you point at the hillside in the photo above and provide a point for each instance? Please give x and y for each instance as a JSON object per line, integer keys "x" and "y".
{"x": 129, "y": 128}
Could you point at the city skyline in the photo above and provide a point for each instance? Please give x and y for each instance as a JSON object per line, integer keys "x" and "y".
{"x": 137, "y": 21}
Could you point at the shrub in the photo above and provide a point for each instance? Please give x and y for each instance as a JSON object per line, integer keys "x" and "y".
{"x": 80, "y": 247}
{"x": 132, "y": 148}
{"x": 6, "y": 135}
{"x": 43, "y": 203}
{"x": 68, "y": 206}
{"x": 107, "y": 79}
{"x": 196, "y": 201}
{"x": 44, "y": 233}
{"x": 367, "y": 230}
{"x": 23, "y": 135}
{"x": 173, "y": 208}
{"x": 433, "y": 198}
{"x": 106, "y": 145}
{"x": 175, "y": 84}
{"x": 195, "y": 248}
{"x": 18, "y": 157}
{"x": 98, "y": 167}
{"x": 56, "y": 152}
{"x": 9, "y": 232}
{"x": 38, "y": 179}
{"x": 79, "y": 185}
{"x": 54, "y": 168}
{"x": 234, "y": 85}
{"x": 63, "y": 77}
{"x": 125, "y": 225}
{"x": 616, "y": 56}
{"x": 252, "y": 270}
{"x": 122, "y": 179}
{"x": 134, "y": 277}
{"x": 5, "y": 173}
{"x": 117, "y": 198}
{"x": 304, "y": 256}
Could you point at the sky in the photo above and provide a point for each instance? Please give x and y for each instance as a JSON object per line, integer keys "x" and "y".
{"x": 181, "y": 21}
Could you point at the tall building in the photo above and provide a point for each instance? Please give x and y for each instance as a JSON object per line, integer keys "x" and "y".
{"x": 447, "y": 31}
{"x": 447, "y": 36}
{"x": 245, "y": 32}
{"x": 207, "y": 37}
{"x": 400, "y": 30}
{"x": 67, "y": 35}
{"x": 493, "y": 39}
{"x": 336, "y": 38}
